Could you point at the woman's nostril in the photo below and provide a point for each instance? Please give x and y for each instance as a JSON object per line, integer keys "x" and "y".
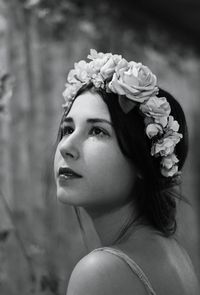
{"x": 69, "y": 150}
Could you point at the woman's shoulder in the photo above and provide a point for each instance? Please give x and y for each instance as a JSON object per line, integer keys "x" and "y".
{"x": 165, "y": 263}
{"x": 101, "y": 273}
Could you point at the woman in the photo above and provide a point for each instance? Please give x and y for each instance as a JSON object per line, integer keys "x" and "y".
{"x": 122, "y": 145}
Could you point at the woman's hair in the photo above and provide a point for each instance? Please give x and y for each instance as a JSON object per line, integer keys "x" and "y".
{"x": 154, "y": 195}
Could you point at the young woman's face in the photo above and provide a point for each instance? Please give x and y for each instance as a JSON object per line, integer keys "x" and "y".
{"x": 102, "y": 175}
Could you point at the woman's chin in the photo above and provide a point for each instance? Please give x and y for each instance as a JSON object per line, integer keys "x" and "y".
{"x": 67, "y": 197}
{"x": 63, "y": 196}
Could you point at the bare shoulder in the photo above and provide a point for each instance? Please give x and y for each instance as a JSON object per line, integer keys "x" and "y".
{"x": 102, "y": 273}
{"x": 166, "y": 265}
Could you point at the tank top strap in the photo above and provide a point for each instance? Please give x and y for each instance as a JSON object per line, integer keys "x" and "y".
{"x": 133, "y": 265}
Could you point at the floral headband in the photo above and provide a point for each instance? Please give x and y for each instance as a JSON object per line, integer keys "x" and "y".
{"x": 135, "y": 84}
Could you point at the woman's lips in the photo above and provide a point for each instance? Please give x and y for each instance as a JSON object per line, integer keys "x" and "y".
{"x": 67, "y": 173}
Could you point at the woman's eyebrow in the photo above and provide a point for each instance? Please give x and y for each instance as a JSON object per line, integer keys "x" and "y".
{"x": 68, "y": 119}
{"x": 90, "y": 120}
{"x": 98, "y": 120}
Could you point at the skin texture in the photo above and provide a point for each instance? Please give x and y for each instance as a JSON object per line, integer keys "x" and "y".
{"x": 91, "y": 150}
{"x": 165, "y": 263}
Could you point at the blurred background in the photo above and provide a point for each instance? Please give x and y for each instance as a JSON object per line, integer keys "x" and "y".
{"x": 40, "y": 239}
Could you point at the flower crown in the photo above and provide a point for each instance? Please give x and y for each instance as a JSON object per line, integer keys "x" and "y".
{"x": 135, "y": 84}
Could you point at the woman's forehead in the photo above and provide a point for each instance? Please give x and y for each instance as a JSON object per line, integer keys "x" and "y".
{"x": 89, "y": 105}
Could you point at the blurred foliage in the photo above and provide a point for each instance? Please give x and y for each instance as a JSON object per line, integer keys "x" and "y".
{"x": 39, "y": 41}
{"x": 63, "y": 16}
{"x": 6, "y": 86}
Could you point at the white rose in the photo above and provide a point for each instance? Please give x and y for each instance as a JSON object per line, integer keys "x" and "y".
{"x": 133, "y": 80}
{"x": 172, "y": 124}
{"x": 99, "y": 63}
{"x": 79, "y": 73}
{"x": 164, "y": 147}
{"x": 169, "y": 172}
{"x": 169, "y": 161}
{"x": 71, "y": 91}
{"x": 157, "y": 108}
{"x": 97, "y": 55}
{"x": 97, "y": 80}
{"x": 108, "y": 68}
{"x": 153, "y": 129}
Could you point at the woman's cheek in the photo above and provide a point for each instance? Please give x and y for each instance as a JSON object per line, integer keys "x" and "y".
{"x": 56, "y": 160}
{"x": 102, "y": 157}
{"x": 97, "y": 151}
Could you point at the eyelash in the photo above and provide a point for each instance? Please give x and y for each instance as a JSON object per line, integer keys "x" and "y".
{"x": 101, "y": 133}
{"x": 66, "y": 130}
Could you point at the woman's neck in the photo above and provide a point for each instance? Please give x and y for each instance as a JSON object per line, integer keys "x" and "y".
{"x": 110, "y": 224}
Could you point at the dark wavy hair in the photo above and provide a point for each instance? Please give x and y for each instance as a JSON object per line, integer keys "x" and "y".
{"x": 155, "y": 196}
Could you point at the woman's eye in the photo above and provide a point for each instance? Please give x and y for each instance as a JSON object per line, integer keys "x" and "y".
{"x": 66, "y": 130}
{"x": 97, "y": 131}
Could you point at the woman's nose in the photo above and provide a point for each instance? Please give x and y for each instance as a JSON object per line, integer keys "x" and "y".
{"x": 69, "y": 147}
